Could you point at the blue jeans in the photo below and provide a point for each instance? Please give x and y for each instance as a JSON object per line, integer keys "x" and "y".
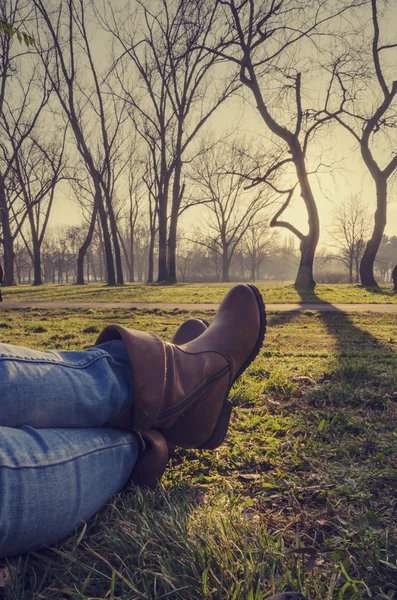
{"x": 58, "y": 462}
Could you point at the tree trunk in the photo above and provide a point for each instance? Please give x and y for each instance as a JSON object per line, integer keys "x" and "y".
{"x": 100, "y": 258}
{"x": 116, "y": 244}
{"x": 80, "y": 266}
{"x": 151, "y": 257}
{"x": 8, "y": 242}
{"x": 8, "y": 250}
{"x": 36, "y": 254}
{"x": 171, "y": 275}
{"x": 93, "y": 269}
{"x": 309, "y": 242}
{"x": 225, "y": 266}
{"x": 132, "y": 255}
{"x": 85, "y": 245}
{"x": 304, "y": 276}
{"x": 37, "y": 280}
{"x": 132, "y": 263}
{"x": 162, "y": 261}
{"x": 102, "y": 253}
{"x": 177, "y": 194}
{"x": 111, "y": 276}
{"x": 394, "y": 278}
{"x": 357, "y": 267}
{"x": 371, "y": 249}
{"x": 254, "y": 266}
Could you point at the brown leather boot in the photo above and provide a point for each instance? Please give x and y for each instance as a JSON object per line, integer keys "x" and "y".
{"x": 182, "y": 390}
{"x": 189, "y": 330}
{"x": 156, "y": 452}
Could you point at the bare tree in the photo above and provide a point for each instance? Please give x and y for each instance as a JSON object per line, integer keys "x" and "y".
{"x": 135, "y": 190}
{"x": 111, "y": 115}
{"x": 178, "y": 98}
{"x": 65, "y": 25}
{"x": 23, "y": 264}
{"x": 258, "y": 243}
{"x": 21, "y": 105}
{"x": 185, "y": 247}
{"x": 38, "y": 168}
{"x": 233, "y": 210}
{"x": 362, "y": 98}
{"x": 83, "y": 192}
{"x": 351, "y": 225}
{"x": 263, "y": 40}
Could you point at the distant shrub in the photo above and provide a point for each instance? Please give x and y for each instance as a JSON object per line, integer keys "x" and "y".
{"x": 331, "y": 277}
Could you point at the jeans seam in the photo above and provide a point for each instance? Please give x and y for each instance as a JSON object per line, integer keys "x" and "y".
{"x": 67, "y": 460}
{"x": 49, "y": 361}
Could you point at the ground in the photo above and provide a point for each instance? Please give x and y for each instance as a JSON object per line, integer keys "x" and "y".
{"x": 272, "y": 292}
{"x": 301, "y": 496}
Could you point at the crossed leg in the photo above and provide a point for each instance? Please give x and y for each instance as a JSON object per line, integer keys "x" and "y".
{"x": 58, "y": 463}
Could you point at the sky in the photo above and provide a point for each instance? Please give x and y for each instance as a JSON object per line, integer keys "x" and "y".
{"x": 349, "y": 177}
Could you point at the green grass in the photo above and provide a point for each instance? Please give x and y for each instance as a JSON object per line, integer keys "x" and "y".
{"x": 301, "y": 496}
{"x": 197, "y": 293}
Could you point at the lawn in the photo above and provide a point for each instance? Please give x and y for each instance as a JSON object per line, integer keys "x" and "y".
{"x": 301, "y": 496}
{"x": 197, "y": 293}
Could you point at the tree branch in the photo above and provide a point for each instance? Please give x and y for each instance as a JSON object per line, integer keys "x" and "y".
{"x": 276, "y": 223}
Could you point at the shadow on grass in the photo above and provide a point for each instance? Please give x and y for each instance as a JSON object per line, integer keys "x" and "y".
{"x": 338, "y": 323}
{"x": 363, "y": 366}
{"x": 376, "y": 290}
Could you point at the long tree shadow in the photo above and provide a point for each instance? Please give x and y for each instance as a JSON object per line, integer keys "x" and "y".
{"x": 380, "y": 291}
{"x": 360, "y": 358}
{"x": 347, "y": 335}
{"x": 338, "y": 323}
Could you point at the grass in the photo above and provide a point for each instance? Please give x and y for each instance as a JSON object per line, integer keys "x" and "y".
{"x": 301, "y": 496}
{"x": 198, "y": 293}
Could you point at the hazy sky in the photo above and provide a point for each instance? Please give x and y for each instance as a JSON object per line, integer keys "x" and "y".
{"x": 349, "y": 177}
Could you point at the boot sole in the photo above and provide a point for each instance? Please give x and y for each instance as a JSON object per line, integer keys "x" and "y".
{"x": 222, "y": 425}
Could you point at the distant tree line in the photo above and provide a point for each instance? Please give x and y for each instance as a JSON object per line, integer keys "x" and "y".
{"x": 260, "y": 255}
{"x": 140, "y": 114}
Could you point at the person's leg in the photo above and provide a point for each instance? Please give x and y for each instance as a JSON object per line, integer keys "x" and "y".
{"x": 52, "y": 480}
{"x": 86, "y": 388}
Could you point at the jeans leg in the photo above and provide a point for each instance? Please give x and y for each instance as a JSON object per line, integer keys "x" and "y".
{"x": 63, "y": 389}
{"x": 52, "y": 480}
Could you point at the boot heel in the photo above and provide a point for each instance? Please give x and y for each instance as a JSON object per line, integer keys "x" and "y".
{"x": 152, "y": 461}
{"x": 219, "y": 433}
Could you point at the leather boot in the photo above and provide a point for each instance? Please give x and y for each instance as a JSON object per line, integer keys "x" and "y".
{"x": 156, "y": 452}
{"x": 189, "y": 330}
{"x": 182, "y": 390}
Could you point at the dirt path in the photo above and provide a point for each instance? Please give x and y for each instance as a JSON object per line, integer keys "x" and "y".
{"x": 377, "y": 308}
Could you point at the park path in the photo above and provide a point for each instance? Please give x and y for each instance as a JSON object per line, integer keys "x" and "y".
{"x": 360, "y": 308}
